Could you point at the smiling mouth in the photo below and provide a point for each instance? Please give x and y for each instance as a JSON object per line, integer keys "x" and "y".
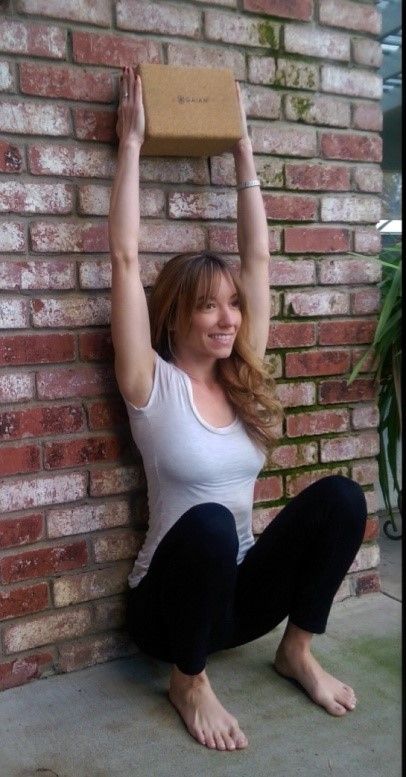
{"x": 222, "y": 338}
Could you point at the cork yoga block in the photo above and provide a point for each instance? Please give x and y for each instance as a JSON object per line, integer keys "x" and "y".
{"x": 189, "y": 111}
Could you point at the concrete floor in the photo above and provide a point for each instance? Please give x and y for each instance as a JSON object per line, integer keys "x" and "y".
{"x": 114, "y": 720}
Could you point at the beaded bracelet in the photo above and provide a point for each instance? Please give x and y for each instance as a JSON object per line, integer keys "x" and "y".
{"x": 248, "y": 184}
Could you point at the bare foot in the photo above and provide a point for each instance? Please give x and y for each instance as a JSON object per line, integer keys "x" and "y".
{"x": 204, "y": 716}
{"x": 322, "y": 687}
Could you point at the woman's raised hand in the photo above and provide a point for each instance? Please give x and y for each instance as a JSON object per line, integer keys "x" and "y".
{"x": 131, "y": 117}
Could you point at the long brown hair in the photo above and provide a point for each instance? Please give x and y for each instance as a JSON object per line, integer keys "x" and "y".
{"x": 243, "y": 375}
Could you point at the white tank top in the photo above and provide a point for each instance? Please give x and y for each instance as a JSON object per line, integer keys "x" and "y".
{"x": 187, "y": 462}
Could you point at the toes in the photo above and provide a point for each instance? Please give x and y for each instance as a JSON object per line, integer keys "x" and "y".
{"x": 210, "y": 741}
{"x": 229, "y": 742}
{"x": 220, "y": 744}
{"x": 337, "y": 709}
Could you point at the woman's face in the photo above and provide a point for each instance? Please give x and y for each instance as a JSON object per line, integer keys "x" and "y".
{"x": 214, "y": 324}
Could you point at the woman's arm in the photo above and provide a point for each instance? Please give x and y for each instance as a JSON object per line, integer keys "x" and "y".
{"x": 253, "y": 240}
{"x": 130, "y": 328}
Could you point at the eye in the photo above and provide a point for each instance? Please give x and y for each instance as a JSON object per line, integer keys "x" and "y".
{"x": 236, "y": 303}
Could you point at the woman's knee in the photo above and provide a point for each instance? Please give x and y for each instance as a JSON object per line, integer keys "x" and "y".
{"x": 211, "y": 531}
{"x": 348, "y": 500}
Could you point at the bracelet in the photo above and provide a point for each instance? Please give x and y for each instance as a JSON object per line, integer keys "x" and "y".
{"x": 248, "y": 184}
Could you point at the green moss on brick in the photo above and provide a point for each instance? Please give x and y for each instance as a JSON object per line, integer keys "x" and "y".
{"x": 268, "y": 35}
{"x": 301, "y": 106}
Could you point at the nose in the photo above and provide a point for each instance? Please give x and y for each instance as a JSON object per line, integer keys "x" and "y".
{"x": 228, "y": 316}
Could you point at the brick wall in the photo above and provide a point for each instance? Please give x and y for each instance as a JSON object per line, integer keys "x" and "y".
{"x": 72, "y": 493}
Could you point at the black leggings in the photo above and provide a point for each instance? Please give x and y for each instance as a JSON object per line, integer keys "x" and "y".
{"x": 195, "y": 599}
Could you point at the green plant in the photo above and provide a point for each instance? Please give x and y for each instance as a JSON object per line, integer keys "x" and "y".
{"x": 387, "y": 351}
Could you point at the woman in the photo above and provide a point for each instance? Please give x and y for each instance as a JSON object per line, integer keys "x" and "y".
{"x": 201, "y": 413}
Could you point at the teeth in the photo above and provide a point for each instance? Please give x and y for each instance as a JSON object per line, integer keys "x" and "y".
{"x": 221, "y": 337}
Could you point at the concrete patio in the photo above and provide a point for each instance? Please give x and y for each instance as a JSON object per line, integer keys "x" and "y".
{"x": 115, "y": 720}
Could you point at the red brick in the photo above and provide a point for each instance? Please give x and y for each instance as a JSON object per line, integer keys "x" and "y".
{"x": 317, "y": 422}
{"x": 348, "y": 447}
{"x": 343, "y": 270}
{"x": 367, "y": 583}
{"x": 224, "y": 239}
{"x": 296, "y": 394}
{"x": 365, "y": 472}
{"x": 70, "y": 311}
{"x": 325, "y": 362}
{"x": 106, "y": 414}
{"x": 287, "y": 335}
{"x": 37, "y": 274}
{"x": 58, "y": 455}
{"x": 175, "y": 170}
{"x": 86, "y": 237}
{"x": 96, "y": 346}
{"x": 17, "y": 459}
{"x": 86, "y": 11}
{"x": 261, "y": 70}
{"x": 40, "y": 421}
{"x": 317, "y": 302}
{"x": 317, "y": 177}
{"x": 202, "y": 205}
{"x": 262, "y": 517}
{"x": 367, "y": 52}
{"x": 291, "y": 272}
{"x": 67, "y": 82}
{"x": 17, "y": 387}
{"x": 181, "y": 237}
{"x": 367, "y": 240}
{"x": 22, "y": 670}
{"x": 368, "y": 179}
{"x": 285, "y": 141}
{"x": 71, "y": 160}
{"x": 193, "y": 55}
{"x": 21, "y": 531}
{"x": 368, "y": 359}
{"x": 16, "y": 197}
{"x": 288, "y": 456}
{"x": 282, "y": 207}
{"x": 165, "y": 18}
{"x": 365, "y": 301}
{"x": 47, "y": 628}
{"x": 36, "y": 40}
{"x": 351, "y": 207}
{"x": 289, "y": 9}
{"x": 297, "y": 483}
{"x": 353, "y": 82}
{"x": 7, "y": 77}
{"x": 14, "y": 313}
{"x": 117, "y": 544}
{"x": 368, "y": 116}
{"x": 11, "y": 158}
{"x": 240, "y": 29}
{"x": 268, "y": 489}
{"x": 296, "y": 74}
{"x": 95, "y": 125}
{"x": 361, "y": 389}
{"x": 318, "y": 240}
{"x": 79, "y": 382}
{"x": 66, "y": 521}
{"x": 27, "y": 492}
{"x": 33, "y": 118}
{"x": 12, "y": 236}
{"x": 346, "y": 146}
{"x": 365, "y": 417}
{"x": 316, "y": 42}
{"x": 371, "y": 529}
{"x": 343, "y": 332}
{"x": 94, "y": 650}
{"x": 112, "y": 50}
{"x": 43, "y": 561}
{"x": 20, "y": 601}
{"x": 317, "y": 110}
{"x": 37, "y": 349}
{"x": 351, "y": 15}
{"x": 115, "y": 480}
{"x": 260, "y": 102}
